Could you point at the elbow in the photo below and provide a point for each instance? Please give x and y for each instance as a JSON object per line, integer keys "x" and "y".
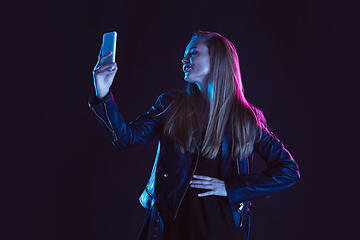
{"x": 297, "y": 172}
{"x": 295, "y": 175}
{"x": 292, "y": 173}
{"x": 118, "y": 146}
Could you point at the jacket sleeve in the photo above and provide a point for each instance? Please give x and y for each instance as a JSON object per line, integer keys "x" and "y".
{"x": 282, "y": 172}
{"x": 125, "y": 135}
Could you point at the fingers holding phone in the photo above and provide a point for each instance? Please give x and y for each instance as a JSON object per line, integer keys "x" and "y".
{"x": 105, "y": 69}
{"x": 104, "y": 64}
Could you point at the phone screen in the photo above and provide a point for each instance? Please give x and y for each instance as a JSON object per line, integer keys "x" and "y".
{"x": 109, "y": 45}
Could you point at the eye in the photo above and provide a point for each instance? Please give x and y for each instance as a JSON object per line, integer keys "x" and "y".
{"x": 193, "y": 53}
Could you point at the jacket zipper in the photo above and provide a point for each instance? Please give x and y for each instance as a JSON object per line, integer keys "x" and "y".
{"x": 110, "y": 128}
{"x": 237, "y": 165}
{"x": 113, "y": 132}
{"x": 182, "y": 198}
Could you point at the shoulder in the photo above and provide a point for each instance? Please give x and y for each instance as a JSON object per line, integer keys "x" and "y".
{"x": 258, "y": 117}
{"x": 166, "y": 98}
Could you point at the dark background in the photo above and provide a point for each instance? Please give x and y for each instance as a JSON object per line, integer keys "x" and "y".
{"x": 60, "y": 176}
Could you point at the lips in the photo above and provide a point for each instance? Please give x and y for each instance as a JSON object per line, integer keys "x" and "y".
{"x": 186, "y": 68}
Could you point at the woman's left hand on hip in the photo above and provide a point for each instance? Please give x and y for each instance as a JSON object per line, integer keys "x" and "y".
{"x": 215, "y": 186}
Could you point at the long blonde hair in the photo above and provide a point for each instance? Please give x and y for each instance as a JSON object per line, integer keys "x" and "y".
{"x": 229, "y": 110}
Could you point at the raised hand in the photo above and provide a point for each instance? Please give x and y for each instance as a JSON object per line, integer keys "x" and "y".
{"x": 103, "y": 75}
{"x": 216, "y": 186}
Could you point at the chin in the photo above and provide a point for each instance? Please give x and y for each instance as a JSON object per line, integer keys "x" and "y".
{"x": 189, "y": 80}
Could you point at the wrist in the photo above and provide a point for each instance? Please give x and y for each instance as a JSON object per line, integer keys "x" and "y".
{"x": 100, "y": 95}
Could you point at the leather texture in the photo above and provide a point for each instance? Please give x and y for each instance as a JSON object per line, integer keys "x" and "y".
{"x": 172, "y": 171}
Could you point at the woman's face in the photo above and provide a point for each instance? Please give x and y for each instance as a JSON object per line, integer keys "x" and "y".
{"x": 196, "y": 63}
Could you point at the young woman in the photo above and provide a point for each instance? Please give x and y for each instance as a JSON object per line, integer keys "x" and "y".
{"x": 200, "y": 185}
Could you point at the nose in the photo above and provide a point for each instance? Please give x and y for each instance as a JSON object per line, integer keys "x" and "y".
{"x": 185, "y": 60}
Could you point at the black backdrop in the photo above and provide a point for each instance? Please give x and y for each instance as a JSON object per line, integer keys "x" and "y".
{"x": 62, "y": 179}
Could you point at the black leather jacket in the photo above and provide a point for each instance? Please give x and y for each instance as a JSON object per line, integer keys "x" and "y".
{"x": 172, "y": 171}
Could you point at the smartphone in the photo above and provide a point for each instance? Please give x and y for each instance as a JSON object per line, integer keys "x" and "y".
{"x": 109, "y": 45}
